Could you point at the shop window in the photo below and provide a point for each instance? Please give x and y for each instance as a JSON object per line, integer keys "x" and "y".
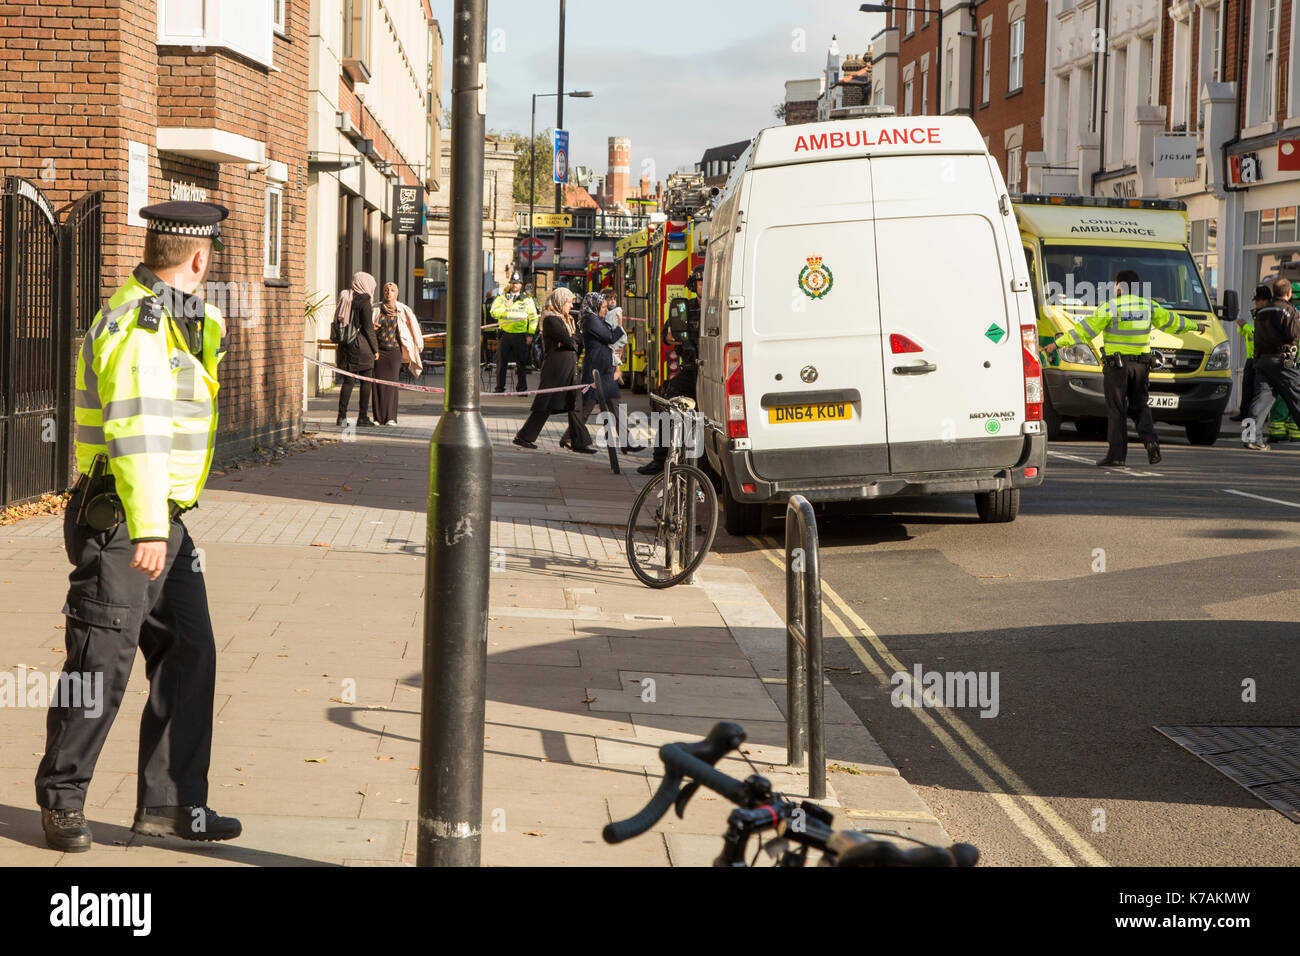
{"x": 272, "y": 234}
{"x": 1250, "y": 229}
{"x": 1286, "y": 231}
{"x": 1267, "y": 233}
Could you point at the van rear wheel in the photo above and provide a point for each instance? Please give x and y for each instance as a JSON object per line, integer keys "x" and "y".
{"x": 997, "y": 507}
{"x": 740, "y": 518}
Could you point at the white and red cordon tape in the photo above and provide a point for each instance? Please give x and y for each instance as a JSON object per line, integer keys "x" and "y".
{"x": 439, "y": 391}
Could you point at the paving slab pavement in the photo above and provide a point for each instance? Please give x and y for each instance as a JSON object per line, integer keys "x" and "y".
{"x": 315, "y": 571}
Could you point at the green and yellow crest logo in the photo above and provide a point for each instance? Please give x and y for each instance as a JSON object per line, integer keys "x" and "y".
{"x": 815, "y": 279}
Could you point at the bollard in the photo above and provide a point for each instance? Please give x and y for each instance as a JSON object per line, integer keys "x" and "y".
{"x": 805, "y": 711}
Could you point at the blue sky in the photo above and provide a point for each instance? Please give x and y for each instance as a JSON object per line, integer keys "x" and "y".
{"x": 675, "y": 76}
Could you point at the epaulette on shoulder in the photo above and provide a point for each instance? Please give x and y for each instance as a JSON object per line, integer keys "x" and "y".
{"x": 150, "y": 315}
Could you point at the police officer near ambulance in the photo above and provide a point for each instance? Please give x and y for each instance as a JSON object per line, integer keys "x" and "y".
{"x": 516, "y": 315}
{"x": 1277, "y": 339}
{"x": 146, "y": 388}
{"x": 1127, "y": 320}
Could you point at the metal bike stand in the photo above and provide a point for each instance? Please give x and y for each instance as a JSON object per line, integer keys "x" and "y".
{"x": 804, "y": 665}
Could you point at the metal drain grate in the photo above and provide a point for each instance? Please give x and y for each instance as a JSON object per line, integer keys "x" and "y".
{"x": 1264, "y": 760}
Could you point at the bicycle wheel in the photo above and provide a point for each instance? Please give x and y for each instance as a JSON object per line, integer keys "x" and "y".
{"x": 661, "y": 548}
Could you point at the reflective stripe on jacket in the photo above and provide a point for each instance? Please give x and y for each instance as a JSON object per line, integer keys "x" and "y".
{"x": 1127, "y": 322}
{"x": 517, "y": 316}
{"x": 148, "y": 403}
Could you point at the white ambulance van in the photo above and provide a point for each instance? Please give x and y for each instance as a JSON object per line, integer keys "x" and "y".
{"x": 867, "y": 326}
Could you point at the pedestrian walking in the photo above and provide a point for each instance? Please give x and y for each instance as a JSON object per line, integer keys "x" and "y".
{"x": 400, "y": 342}
{"x": 354, "y": 330}
{"x": 598, "y": 366}
{"x": 1127, "y": 321}
{"x": 559, "y": 369}
{"x": 683, "y": 383}
{"x": 146, "y": 388}
{"x": 1277, "y": 331}
{"x": 1263, "y": 295}
{"x": 517, "y": 315}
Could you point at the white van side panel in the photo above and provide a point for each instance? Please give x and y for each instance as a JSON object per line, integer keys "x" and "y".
{"x": 797, "y": 346}
{"x": 945, "y": 284}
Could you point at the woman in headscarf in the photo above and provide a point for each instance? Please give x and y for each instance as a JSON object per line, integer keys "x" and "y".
{"x": 559, "y": 363}
{"x": 400, "y": 341}
{"x": 598, "y": 365}
{"x": 356, "y": 309}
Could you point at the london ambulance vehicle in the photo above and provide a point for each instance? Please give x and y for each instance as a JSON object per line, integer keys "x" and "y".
{"x": 1075, "y": 246}
{"x": 867, "y": 327}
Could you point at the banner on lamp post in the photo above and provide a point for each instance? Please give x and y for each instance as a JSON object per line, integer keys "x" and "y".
{"x": 406, "y": 210}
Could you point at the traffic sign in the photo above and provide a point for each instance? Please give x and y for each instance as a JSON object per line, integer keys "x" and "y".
{"x": 531, "y": 249}
{"x": 561, "y": 164}
{"x": 553, "y": 220}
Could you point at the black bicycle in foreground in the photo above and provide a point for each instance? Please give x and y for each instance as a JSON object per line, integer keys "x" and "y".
{"x": 796, "y": 827}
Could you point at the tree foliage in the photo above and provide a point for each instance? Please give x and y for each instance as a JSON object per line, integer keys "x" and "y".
{"x": 543, "y": 179}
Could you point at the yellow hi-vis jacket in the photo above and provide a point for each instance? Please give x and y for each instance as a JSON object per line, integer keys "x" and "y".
{"x": 1127, "y": 321}
{"x": 517, "y": 316}
{"x": 151, "y": 405}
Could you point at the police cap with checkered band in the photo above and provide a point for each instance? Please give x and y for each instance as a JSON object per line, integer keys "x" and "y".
{"x": 202, "y": 220}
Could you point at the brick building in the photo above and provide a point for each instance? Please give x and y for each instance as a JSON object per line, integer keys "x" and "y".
{"x": 150, "y": 101}
{"x": 983, "y": 58}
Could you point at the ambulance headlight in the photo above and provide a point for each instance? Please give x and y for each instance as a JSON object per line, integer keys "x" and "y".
{"x": 1219, "y": 358}
{"x": 1078, "y": 355}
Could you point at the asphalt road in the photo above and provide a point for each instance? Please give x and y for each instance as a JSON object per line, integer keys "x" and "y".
{"x": 1117, "y": 602}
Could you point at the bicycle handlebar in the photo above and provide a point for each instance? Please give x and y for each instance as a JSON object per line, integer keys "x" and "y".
{"x": 685, "y": 760}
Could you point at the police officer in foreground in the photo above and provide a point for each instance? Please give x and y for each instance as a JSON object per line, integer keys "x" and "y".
{"x": 146, "y": 389}
{"x": 1127, "y": 320}
{"x": 516, "y": 314}
{"x": 1277, "y": 332}
{"x": 684, "y": 383}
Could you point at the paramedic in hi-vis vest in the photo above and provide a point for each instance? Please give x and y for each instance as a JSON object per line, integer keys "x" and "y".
{"x": 145, "y": 408}
{"x": 516, "y": 315}
{"x": 1127, "y": 321}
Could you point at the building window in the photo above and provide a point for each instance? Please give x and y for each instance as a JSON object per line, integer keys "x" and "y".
{"x": 356, "y": 40}
{"x": 1017, "y": 76}
{"x": 1270, "y": 59}
{"x": 271, "y": 259}
{"x": 988, "y": 65}
{"x": 925, "y": 91}
{"x": 911, "y": 21}
{"x": 243, "y": 26}
{"x": 907, "y": 97}
{"x": 947, "y": 73}
{"x": 1013, "y": 169}
{"x": 278, "y": 16}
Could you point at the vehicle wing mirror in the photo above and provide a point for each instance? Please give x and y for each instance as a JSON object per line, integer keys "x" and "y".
{"x": 1228, "y": 311}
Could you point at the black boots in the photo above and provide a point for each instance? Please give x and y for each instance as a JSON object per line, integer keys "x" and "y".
{"x": 66, "y": 830}
{"x": 188, "y": 823}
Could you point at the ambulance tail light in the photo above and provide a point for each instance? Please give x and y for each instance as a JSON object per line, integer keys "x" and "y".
{"x": 734, "y": 377}
{"x": 1033, "y": 374}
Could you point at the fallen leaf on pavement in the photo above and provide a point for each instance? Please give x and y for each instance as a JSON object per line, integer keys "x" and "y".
{"x": 383, "y": 758}
{"x": 588, "y": 700}
{"x": 531, "y": 833}
{"x": 314, "y": 760}
{"x": 347, "y": 487}
{"x": 319, "y": 544}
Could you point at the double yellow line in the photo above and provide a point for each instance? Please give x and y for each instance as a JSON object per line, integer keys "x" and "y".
{"x": 988, "y": 770}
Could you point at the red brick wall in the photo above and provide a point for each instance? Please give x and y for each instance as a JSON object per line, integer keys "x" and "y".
{"x": 81, "y": 79}
{"x": 1005, "y": 109}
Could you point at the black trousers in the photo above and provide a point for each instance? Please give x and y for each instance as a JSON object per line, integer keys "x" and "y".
{"x": 681, "y": 385}
{"x": 1247, "y": 387}
{"x": 388, "y": 365}
{"x": 544, "y": 406}
{"x": 345, "y": 392}
{"x": 512, "y": 347}
{"x": 111, "y": 610}
{"x": 1126, "y": 397}
{"x": 1272, "y": 381}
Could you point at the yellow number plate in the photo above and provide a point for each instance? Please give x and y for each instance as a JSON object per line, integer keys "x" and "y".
{"x": 833, "y": 412}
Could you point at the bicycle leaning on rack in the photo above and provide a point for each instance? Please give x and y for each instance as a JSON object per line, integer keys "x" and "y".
{"x": 797, "y": 827}
{"x": 675, "y": 516}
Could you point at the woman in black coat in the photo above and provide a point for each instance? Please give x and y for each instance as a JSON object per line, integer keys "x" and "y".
{"x": 559, "y": 364}
{"x": 356, "y": 306}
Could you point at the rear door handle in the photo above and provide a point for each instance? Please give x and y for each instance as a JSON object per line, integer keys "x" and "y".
{"x": 915, "y": 369}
